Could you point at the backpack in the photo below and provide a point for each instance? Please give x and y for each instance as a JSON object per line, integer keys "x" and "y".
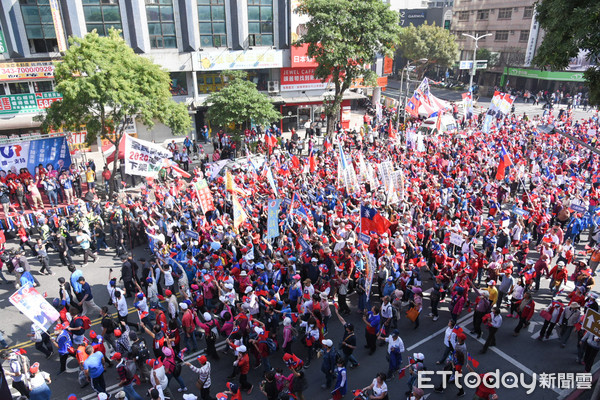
{"x": 143, "y": 353}
{"x": 87, "y": 323}
{"x": 271, "y": 345}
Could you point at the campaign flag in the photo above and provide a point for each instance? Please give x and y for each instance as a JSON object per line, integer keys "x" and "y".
{"x": 467, "y": 102}
{"x": 144, "y": 158}
{"x": 271, "y": 180}
{"x": 204, "y": 196}
{"x": 305, "y": 246}
{"x": 371, "y": 220}
{"x": 35, "y": 307}
{"x": 371, "y": 266}
{"x": 504, "y": 163}
{"x": 228, "y": 181}
{"x": 175, "y": 167}
{"x": 298, "y": 208}
{"x": 239, "y": 215}
{"x": 273, "y": 218}
{"x": 30, "y": 154}
{"x": 312, "y": 161}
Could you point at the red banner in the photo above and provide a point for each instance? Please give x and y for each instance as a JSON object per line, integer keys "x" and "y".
{"x": 300, "y": 57}
{"x": 388, "y": 65}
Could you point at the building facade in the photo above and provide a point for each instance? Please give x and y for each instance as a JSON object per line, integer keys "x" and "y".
{"x": 195, "y": 40}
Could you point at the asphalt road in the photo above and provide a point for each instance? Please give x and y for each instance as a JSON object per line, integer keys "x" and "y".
{"x": 522, "y": 354}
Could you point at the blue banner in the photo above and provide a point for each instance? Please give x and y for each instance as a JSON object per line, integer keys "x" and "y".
{"x": 273, "y": 218}
{"x": 363, "y": 237}
{"x": 520, "y": 211}
{"x": 51, "y": 153}
{"x": 304, "y": 244}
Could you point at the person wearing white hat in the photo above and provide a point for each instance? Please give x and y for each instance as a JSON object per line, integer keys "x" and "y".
{"x": 329, "y": 363}
{"x": 243, "y": 365}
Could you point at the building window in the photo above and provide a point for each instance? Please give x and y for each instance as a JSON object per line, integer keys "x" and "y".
{"x": 179, "y": 83}
{"x": 161, "y": 24}
{"x": 528, "y": 12}
{"x": 18, "y": 88}
{"x": 213, "y": 30}
{"x": 524, "y": 36}
{"x": 39, "y": 26}
{"x": 209, "y": 82}
{"x": 102, "y": 15}
{"x": 260, "y": 22}
{"x": 505, "y": 13}
{"x": 42, "y": 86}
{"x": 501, "y": 36}
{"x": 463, "y": 16}
{"x": 481, "y": 33}
{"x": 483, "y": 15}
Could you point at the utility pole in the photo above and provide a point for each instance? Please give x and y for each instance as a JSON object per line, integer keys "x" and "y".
{"x": 476, "y": 39}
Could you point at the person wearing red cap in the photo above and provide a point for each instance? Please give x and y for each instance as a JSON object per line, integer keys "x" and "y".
{"x": 203, "y": 383}
{"x": 126, "y": 370}
{"x": 38, "y": 383}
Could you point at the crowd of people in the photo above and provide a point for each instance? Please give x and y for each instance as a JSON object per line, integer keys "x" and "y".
{"x": 446, "y": 216}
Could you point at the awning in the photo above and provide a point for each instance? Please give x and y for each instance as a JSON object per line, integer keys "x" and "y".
{"x": 293, "y": 97}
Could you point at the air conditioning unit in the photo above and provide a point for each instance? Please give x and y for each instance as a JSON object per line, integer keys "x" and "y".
{"x": 273, "y": 86}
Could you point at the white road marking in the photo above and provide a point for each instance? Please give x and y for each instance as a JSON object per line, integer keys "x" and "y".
{"x": 428, "y": 338}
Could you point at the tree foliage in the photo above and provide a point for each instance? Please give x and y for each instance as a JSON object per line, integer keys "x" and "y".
{"x": 104, "y": 84}
{"x": 432, "y": 42}
{"x": 570, "y": 27}
{"x": 343, "y": 37}
{"x": 485, "y": 54}
{"x": 240, "y": 102}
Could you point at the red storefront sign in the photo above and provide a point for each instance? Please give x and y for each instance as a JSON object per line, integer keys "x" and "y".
{"x": 300, "y": 57}
{"x": 300, "y": 79}
{"x": 388, "y": 65}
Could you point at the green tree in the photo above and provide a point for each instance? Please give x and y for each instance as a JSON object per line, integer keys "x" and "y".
{"x": 485, "y": 54}
{"x": 431, "y": 42}
{"x": 570, "y": 27}
{"x": 104, "y": 84}
{"x": 343, "y": 37}
{"x": 238, "y": 103}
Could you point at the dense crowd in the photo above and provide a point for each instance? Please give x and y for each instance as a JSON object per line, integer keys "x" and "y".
{"x": 483, "y": 236}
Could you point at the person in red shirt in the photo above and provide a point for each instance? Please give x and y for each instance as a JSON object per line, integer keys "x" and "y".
{"x": 243, "y": 364}
{"x": 189, "y": 326}
{"x": 483, "y": 392}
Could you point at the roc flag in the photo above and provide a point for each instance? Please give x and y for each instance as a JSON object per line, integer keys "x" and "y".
{"x": 473, "y": 361}
{"x": 504, "y": 163}
{"x": 298, "y": 208}
{"x": 270, "y": 139}
{"x": 402, "y": 373}
{"x": 371, "y": 220}
{"x": 295, "y": 161}
{"x": 312, "y": 162}
{"x": 326, "y": 144}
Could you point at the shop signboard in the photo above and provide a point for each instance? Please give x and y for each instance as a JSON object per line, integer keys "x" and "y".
{"x": 27, "y": 103}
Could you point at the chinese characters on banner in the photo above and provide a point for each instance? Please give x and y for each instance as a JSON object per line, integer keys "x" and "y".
{"x": 501, "y": 104}
{"x": 204, "y": 196}
{"x": 371, "y": 266}
{"x": 27, "y": 103}
{"x": 26, "y": 70}
{"x": 35, "y": 307}
{"x": 30, "y": 154}
{"x": 300, "y": 57}
{"x": 273, "y": 218}
{"x": 300, "y": 79}
{"x": 143, "y": 158}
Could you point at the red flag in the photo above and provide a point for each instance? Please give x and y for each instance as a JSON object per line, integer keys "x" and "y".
{"x": 326, "y": 145}
{"x": 402, "y": 373}
{"x": 503, "y": 164}
{"x": 270, "y": 139}
{"x": 295, "y": 162}
{"x": 371, "y": 220}
{"x": 392, "y": 132}
{"x": 473, "y": 361}
{"x": 312, "y": 162}
{"x": 438, "y": 123}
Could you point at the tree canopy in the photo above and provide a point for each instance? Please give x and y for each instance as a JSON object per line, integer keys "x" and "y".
{"x": 432, "y": 42}
{"x": 104, "y": 85}
{"x": 343, "y": 37}
{"x": 240, "y": 102}
{"x": 570, "y": 27}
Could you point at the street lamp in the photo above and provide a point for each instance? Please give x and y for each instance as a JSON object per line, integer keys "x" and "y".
{"x": 421, "y": 61}
{"x": 476, "y": 39}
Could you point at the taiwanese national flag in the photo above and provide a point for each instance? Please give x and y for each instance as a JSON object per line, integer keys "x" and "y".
{"x": 298, "y": 208}
{"x": 402, "y": 373}
{"x": 326, "y": 145}
{"x": 371, "y": 220}
{"x": 503, "y": 164}
{"x": 295, "y": 161}
{"x": 412, "y": 106}
{"x": 312, "y": 161}
{"x": 270, "y": 139}
{"x": 473, "y": 361}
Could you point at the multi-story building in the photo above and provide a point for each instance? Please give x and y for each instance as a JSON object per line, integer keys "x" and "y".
{"x": 195, "y": 40}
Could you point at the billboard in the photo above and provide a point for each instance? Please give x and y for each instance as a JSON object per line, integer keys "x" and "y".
{"x": 28, "y": 102}
{"x": 30, "y": 154}
{"x": 16, "y": 71}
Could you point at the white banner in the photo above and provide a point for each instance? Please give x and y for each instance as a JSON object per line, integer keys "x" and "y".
{"x": 143, "y": 158}
{"x": 35, "y": 307}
